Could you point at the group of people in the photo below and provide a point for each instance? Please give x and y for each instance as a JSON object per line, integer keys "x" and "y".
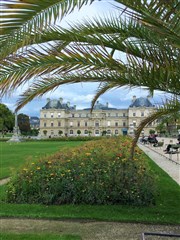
{"x": 153, "y": 140}
{"x": 150, "y": 139}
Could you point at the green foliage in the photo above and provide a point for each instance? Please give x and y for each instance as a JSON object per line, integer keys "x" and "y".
{"x": 6, "y": 118}
{"x": 24, "y": 124}
{"x": 98, "y": 172}
{"x": 151, "y": 131}
{"x": 78, "y": 132}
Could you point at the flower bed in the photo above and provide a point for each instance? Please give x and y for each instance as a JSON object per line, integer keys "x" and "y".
{"x": 99, "y": 172}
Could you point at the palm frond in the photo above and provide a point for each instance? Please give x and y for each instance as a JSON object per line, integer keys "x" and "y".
{"x": 20, "y": 20}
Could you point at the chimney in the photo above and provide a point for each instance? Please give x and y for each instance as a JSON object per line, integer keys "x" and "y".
{"x": 133, "y": 98}
{"x": 107, "y": 104}
{"x": 68, "y": 104}
{"x": 61, "y": 100}
{"x": 75, "y": 107}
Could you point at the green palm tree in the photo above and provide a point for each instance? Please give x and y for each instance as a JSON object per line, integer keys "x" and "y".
{"x": 137, "y": 48}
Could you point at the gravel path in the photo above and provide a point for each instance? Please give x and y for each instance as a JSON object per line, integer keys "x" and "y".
{"x": 88, "y": 230}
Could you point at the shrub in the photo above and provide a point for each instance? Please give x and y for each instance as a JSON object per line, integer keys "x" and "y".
{"x": 99, "y": 172}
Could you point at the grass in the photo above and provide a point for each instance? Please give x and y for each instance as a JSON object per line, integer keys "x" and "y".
{"x": 14, "y": 236}
{"x": 165, "y": 210}
{"x": 14, "y": 155}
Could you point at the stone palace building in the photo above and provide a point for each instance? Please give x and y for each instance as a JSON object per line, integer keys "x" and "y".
{"x": 58, "y": 118}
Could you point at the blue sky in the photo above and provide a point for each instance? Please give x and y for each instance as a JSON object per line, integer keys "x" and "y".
{"x": 82, "y": 94}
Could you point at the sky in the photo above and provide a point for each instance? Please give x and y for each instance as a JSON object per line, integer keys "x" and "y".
{"x": 82, "y": 94}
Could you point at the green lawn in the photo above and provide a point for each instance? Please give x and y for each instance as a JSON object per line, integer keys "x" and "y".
{"x": 14, "y": 155}
{"x": 10, "y": 236}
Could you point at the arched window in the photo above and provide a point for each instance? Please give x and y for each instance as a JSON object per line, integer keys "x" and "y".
{"x": 85, "y": 131}
{"x": 108, "y": 131}
{"x": 116, "y": 131}
{"x": 71, "y": 131}
{"x": 97, "y": 132}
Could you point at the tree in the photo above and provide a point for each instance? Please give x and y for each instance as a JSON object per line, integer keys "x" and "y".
{"x": 24, "y": 124}
{"x": 104, "y": 132}
{"x": 6, "y": 119}
{"x": 60, "y": 132}
{"x": 78, "y": 132}
{"x": 45, "y": 132}
{"x": 146, "y": 33}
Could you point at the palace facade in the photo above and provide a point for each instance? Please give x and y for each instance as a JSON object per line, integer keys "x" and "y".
{"x": 62, "y": 119}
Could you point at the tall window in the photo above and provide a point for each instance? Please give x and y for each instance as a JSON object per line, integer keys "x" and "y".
{"x": 116, "y": 124}
{"x": 134, "y": 114}
{"x": 96, "y": 124}
{"x": 72, "y": 115}
{"x": 59, "y": 124}
{"x": 45, "y": 124}
{"x": 97, "y": 132}
{"x": 142, "y": 114}
{"x": 52, "y": 124}
{"x": 78, "y": 124}
{"x": 124, "y": 114}
{"x": 85, "y": 124}
{"x": 52, "y": 114}
{"x": 116, "y": 114}
{"x": 59, "y": 115}
{"x": 71, "y": 124}
{"x": 116, "y": 131}
{"x": 124, "y": 124}
{"x": 44, "y": 115}
{"x": 71, "y": 131}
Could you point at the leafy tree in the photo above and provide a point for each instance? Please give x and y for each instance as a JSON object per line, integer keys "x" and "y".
{"x": 137, "y": 48}
{"x": 34, "y": 132}
{"x": 161, "y": 128}
{"x": 60, "y": 132}
{"x": 151, "y": 131}
{"x": 24, "y": 124}
{"x": 104, "y": 132}
{"x": 6, "y": 119}
{"x": 78, "y": 132}
{"x": 45, "y": 132}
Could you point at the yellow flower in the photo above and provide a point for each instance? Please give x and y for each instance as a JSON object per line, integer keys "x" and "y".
{"x": 49, "y": 162}
{"x": 32, "y": 163}
{"x": 88, "y": 154}
{"x": 24, "y": 169}
{"x": 38, "y": 168}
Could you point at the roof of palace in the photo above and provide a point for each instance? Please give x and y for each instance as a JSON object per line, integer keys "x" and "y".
{"x": 141, "y": 102}
{"x": 57, "y": 104}
{"x": 100, "y": 106}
